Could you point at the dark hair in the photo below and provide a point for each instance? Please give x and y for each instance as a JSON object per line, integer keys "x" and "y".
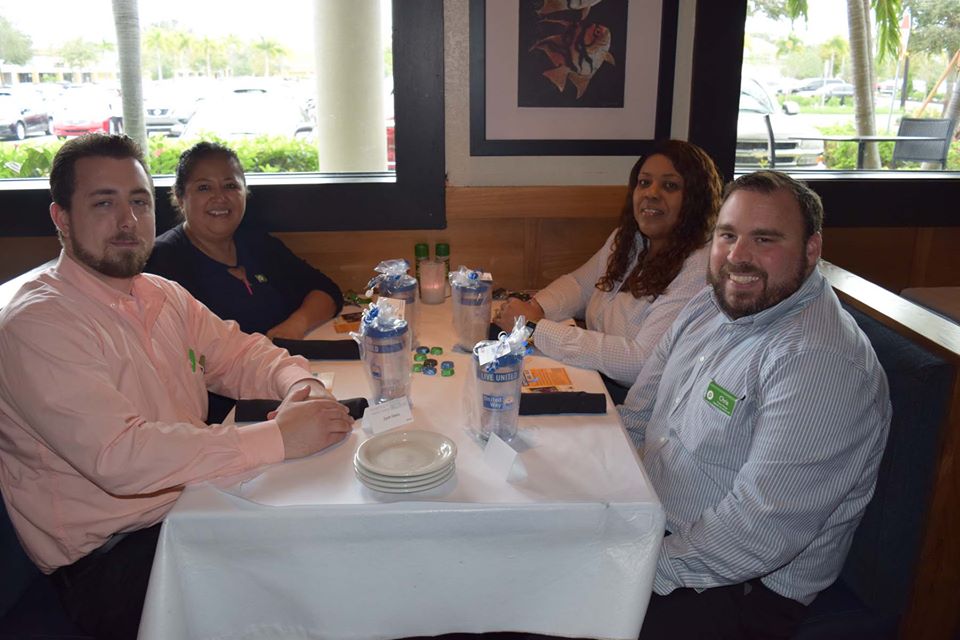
{"x": 190, "y": 158}
{"x": 766, "y": 181}
{"x": 702, "y": 187}
{"x": 91, "y": 145}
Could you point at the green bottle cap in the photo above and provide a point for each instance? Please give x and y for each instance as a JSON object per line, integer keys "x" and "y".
{"x": 443, "y": 249}
{"x": 421, "y": 250}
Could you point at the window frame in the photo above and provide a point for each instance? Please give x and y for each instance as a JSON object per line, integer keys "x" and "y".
{"x": 411, "y": 198}
{"x": 850, "y": 198}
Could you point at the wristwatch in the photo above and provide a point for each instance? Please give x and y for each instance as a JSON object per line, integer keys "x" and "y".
{"x": 533, "y": 327}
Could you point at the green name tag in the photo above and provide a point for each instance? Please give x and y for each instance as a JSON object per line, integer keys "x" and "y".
{"x": 720, "y": 398}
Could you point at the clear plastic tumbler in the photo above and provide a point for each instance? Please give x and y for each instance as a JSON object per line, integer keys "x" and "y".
{"x": 498, "y": 395}
{"x": 471, "y": 313}
{"x": 405, "y": 289}
{"x": 386, "y": 356}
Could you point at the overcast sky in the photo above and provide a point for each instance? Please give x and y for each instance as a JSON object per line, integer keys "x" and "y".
{"x": 51, "y": 22}
{"x": 827, "y": 18}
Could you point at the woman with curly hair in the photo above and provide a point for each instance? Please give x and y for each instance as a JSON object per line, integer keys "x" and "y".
{"x": 631, "y": 290}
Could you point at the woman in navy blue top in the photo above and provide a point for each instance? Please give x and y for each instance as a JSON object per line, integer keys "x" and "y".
{"x": 240, "y": 274}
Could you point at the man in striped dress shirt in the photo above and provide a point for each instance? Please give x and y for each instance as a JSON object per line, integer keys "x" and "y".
{"x": 761, "y": 420}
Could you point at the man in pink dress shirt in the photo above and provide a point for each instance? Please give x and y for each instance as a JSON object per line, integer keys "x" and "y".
{"x": 103, "y": 393}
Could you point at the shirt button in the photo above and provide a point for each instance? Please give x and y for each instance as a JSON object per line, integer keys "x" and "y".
{"x": 677, "y": 401}
{"x": 702, "y": 358}
{"x": 663, "y": 440}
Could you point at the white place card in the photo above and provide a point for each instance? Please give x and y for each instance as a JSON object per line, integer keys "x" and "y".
{"x": 499, "y": 456}
{"x": 388, "y": 415}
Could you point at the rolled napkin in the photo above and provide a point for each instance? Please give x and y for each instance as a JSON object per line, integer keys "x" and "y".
{"x": 321, "y": 349}
{"x": 532, "y": 404}
{"x": 257, "y": 410}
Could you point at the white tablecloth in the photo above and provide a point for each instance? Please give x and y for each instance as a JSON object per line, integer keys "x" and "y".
{"x": 567, "y": 547}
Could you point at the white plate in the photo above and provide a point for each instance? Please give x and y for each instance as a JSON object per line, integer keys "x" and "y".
{"x": 406, "y": 453}
{"x": 378, "y": 477}
{"x": 397, "y": 489}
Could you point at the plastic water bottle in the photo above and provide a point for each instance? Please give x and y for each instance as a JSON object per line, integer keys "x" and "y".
{"x": 498, "y": 390}
{"x": 404, "y": 288}
{"x": 386, "y": 354}
{"x": 471, "y": 313}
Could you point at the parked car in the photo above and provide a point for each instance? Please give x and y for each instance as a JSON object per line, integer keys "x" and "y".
{"x": 808, "y": 86}
{"x": 170, "y": 103}
{"x": 87, "y": 109}
{"x": 19, "y": 117}
{"x": 756, "y": 103}
{"x": 245, "y": 114}
{"x": 842, "y": 90}
{"x": 886, "y": 87}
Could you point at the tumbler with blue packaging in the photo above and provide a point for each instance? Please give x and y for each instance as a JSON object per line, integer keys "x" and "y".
{"x": 384, "y": 340}
{"x": 498, "y": 391}
{"x": 498, "y": 367}
{"x": 394, "y": 282}
{"x": 472, "y": 301}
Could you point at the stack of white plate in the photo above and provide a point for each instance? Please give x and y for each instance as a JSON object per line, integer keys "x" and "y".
{"x": 405, "y": 461}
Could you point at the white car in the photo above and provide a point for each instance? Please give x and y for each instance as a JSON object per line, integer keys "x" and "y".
{"x": 756, "y": 104}
{"x": 233, "y": 115}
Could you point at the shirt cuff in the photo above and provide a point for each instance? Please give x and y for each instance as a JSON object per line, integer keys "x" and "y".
{"x": 289, "y": 377}
{"x": 261, "y": 443}
{"x": 666, "y": 578}
{"x": 548, "y": 336}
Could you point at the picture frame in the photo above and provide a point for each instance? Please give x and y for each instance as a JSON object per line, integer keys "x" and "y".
{"x": 503, "y": 47}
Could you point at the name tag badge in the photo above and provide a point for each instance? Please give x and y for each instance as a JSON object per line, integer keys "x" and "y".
{"x": 720, "y": 398}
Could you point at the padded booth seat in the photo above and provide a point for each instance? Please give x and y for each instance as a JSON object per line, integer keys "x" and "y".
{"x": 871, "y": 595}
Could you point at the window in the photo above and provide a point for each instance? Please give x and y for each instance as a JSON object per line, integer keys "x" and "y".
{"x": 807, "y": 119}
{"x": 411, "y": 196}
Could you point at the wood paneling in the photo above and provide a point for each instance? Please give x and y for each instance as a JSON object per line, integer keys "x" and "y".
{"x": 18, "y": 255}
{"x": 525, "y": 236}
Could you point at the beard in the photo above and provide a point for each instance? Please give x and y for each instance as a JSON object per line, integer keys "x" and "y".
{"x": 748, "y": 304}
{"x": 125, "y": 264}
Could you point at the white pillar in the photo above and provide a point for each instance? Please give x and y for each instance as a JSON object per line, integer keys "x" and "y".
{"x": 351, "y": 125}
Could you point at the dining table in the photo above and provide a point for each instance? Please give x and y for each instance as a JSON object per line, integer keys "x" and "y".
{"x": 563, "y": 542}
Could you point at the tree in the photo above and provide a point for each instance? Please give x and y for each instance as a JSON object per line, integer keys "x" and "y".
{"x": 935, "y": 29}
{"x": 78, "y": 53}
{"x": 16, "y": 47}
{"x": 127, "y": 21}
{"x": 271, "y": 50}
{"x": 887, "y": 14}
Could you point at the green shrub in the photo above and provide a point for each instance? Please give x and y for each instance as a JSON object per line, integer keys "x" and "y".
{"x": 263, "y": 154}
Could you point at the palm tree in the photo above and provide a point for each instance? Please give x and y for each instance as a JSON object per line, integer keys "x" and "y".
{"x": 156, "y": 42}
{"x": 127, "y": 21}
{"x": 271, "y": 49}
{"x": 887, "y": 14}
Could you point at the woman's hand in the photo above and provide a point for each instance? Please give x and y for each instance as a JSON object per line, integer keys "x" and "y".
{"x": 513, "y": 308}
{"x": 293, "y": 328}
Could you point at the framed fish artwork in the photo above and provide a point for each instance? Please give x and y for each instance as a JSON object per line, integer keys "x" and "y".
{"x": 570, "y": 77}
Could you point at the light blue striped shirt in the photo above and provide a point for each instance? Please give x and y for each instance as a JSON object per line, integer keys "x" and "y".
{"x": 776, "y": 488}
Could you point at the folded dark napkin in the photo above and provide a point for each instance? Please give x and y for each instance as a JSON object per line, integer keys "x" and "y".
{"x": 257, "y": 410}
{"x": 562, "y": 402}
{"x": 321, "y": 349}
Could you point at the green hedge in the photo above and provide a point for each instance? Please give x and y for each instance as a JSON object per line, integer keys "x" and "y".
{"x": 843, "y": 155}
{"x": 264, "y": 154}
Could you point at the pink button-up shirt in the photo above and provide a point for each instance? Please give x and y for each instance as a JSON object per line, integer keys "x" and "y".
{"x": 102, "y": 401}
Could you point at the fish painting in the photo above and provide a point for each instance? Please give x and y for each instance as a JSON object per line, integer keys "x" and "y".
{"x": 576, "y": 53}
{"x": 553, "y": 6}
